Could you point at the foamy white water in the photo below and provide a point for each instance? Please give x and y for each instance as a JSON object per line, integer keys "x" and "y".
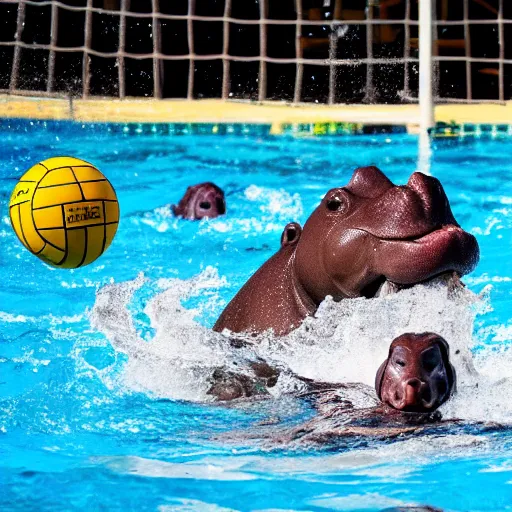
{"x": 264, "y": 210}
{"x": 345, "y": 342}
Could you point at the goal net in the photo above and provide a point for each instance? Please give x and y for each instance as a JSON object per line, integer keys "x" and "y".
{"x": 321, "y": 51}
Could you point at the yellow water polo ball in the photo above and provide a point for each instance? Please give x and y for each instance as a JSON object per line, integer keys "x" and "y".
{"x": 64, "y": 211}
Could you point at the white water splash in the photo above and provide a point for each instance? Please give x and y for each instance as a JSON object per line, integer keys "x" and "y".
{"x": 264, "y": 210}
{"x": 275, "y": 202}
{"x": 161, "y": 219}
{"x": 37, "y": 320}
{"x": 172, "y": 364}
{"x": 267, "y": 210}
{"x": 345, "y": 342}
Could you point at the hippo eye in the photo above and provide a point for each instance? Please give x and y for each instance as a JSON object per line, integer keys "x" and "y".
{"x": 399, "y": 362}
{"x": 205, "y": 205}
{"x": 429, "y": 366}
{"x": 430, "y": 360}
{"x": 335, "y": 204}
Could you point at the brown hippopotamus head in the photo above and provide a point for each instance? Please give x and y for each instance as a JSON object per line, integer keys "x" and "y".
{"x": 200, "y": 201}
{"x": 371, "y": 231}
{"x": 417, "y": 376}
{"x": 361, "y": 237}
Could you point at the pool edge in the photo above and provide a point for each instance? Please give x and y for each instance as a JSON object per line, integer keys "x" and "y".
{"x": 275, "y": 114}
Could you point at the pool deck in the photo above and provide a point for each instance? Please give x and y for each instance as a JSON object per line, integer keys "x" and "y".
{"x": 219, "y": 111}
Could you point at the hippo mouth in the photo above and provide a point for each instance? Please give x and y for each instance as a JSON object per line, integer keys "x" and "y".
{"x": 401, "y": 263}
{"x": 430, "y": 236}
{"x": 382, "y": 287}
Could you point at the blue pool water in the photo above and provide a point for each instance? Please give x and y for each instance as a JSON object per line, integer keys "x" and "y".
{"x": 103, "y": 369}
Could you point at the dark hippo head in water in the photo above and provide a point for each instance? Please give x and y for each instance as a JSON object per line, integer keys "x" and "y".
{"x": 361, "y": 236}
{"x": 371, "y": 231}
{"x": 200, "y": 201}
{"x": 417, "y": 376}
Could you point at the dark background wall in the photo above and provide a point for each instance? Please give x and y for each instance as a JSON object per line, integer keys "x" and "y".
{"x": 388, "y": 43}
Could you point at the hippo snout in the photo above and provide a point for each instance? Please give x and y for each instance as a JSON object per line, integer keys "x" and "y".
{"x": 414, "y": 392}
{"x": 413, "y": 395}
{"x": 409, "y": 211}
{"x": 431, "y": 193}
{"x": 422, "y": 183}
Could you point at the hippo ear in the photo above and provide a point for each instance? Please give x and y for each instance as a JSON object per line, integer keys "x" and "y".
{"x": 291, "y": 234}
{"x": 382, "y": 369}
{"x": 369, "y": 182}
{"x": 217, "y": 188}
{"x": 180, "y": 207}
{"x": 189, "y": 192}
{"x": 380, "y": 376}
{"x": 450, "y": 370}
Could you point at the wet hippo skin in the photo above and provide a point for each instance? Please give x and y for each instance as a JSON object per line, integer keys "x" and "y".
{"x": 200, "y": 201}
{"x": 417, "y": 375}
{"x": 411, "y": 384}
{"x": 361, "y": 236}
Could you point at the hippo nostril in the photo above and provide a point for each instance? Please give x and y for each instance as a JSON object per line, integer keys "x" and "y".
{"x": 205, "y": 205}
{"x": 428, "y": 188}
{"x": 414, "y": 383}
{"x": 418, "y": 178}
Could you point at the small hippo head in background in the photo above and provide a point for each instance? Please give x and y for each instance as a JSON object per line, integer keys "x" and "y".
{"x": 417, "y": 376}
{"x": 200, "y": 201}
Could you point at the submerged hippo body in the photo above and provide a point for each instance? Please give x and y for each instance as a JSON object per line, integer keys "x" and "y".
{"x": 359, "y": 237}
{"x": 411, "y": 384}
{"x": 200, "y": 201}
{"x": 416, "y": 378}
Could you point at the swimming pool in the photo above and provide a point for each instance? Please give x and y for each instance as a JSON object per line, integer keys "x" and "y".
{"x": 100, "y": 395}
